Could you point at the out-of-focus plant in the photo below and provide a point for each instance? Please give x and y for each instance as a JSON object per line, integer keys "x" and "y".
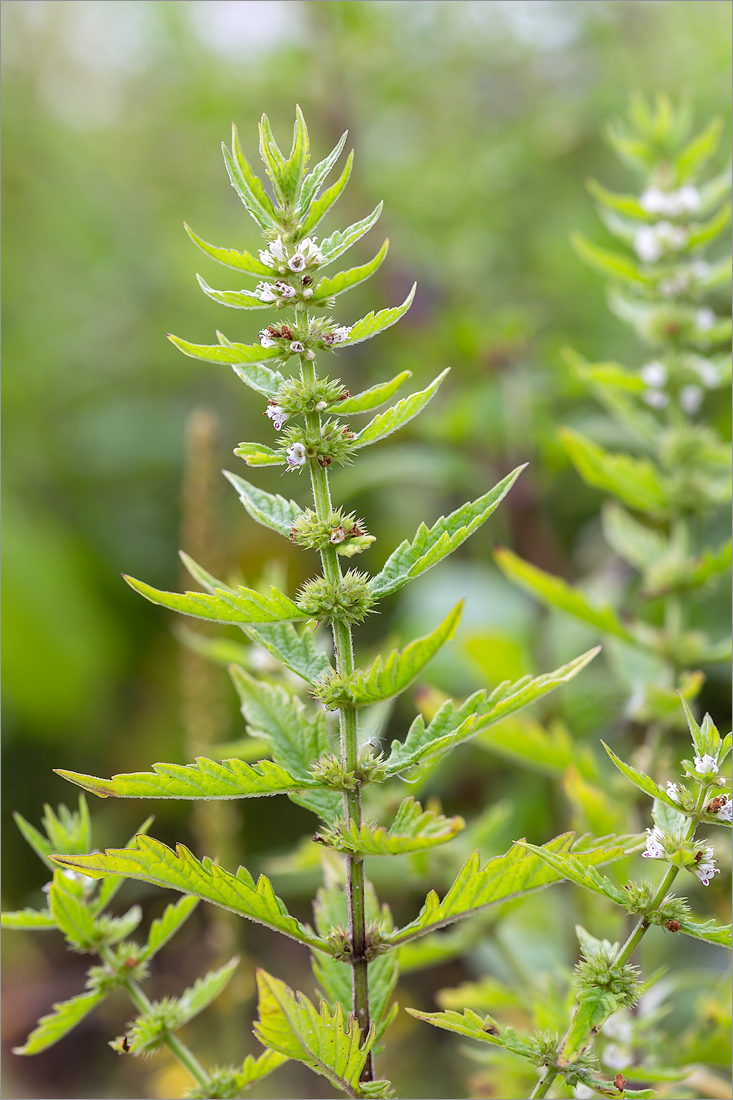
{"x": 605, "y": 983}
{"x": 77, "y": 909}
{"x": 672, "y": 485}
{"x": 354, "y": 943}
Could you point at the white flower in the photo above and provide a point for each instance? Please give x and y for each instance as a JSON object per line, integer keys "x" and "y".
{"x": 321, "y": 406}
{"x": 266, "y": 292}
{"x": 654, "y": 849}
{"x": 296, "y": 455}
{"x": 673, "y": 792}
{"x": 619, "y": 1026}
{"x": 266, "y": 340}
{"x": 686, "y": 200}
{"x": 582, "y": 1092}
{"x": 725, "y": 813}
{"x": 706, "y": 868}
{"x": 674, "y": 236}
{"x": 338, "y": 335}
{"x": 296, "y": 346}
{"x": 273, "y": 254}
{"x": 656, "y": 398}
{"x": 654, "y": 201}
{"x": 310, "y": 250}
{"x": 297, "y": 262}
{"x": 705, "y": 318}
{"x": 654, "y": 373}
{"x": 615, "y": 1056}
{"x": 706, "y": 371}
{"x": 284, "y": 290}
{"x": 706, "y": 764}
{"x": 647, "y": 245}
{"x": 691, "y": 399}
{"x": 678, "y": 284}
{"x": 277, "y": 415}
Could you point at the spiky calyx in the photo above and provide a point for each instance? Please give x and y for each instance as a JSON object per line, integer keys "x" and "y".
{"x": 334, "y": 444}
{"x": 672, "y": 909}
{"x": 602, "y": 972}
{"x": 342, "y": 530}
{"x": 296, "y": 396}
{"x": 347, "y": 600}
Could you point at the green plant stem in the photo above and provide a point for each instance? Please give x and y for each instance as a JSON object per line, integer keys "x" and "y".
{"x": 344, "y": 656}
{"x": 636, "y": 936}
{"x": 176, "y": 1046}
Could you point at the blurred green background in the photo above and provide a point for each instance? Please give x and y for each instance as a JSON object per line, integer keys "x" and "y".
{"x": 478, "y": 124}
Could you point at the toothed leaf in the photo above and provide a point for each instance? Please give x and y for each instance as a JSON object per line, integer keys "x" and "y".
{"x": 270, "y": 510}
{"x": 413, "y": 830}
{"x": 315, "y": 179}
{"x": 257, "y": 454}
{"x": 615, "y": 264}
{"x": 64, "y": 1017}
{"x": 400, "y": 414}
{"x": 334, "y": 246}
{"x": 248, "y": 186}
{"x": 345, "y": 280}
{"x": 237, "y": 605}
{"x": 164, "y": 928}
{"x": 235, "y": 299}
{"x": 249, "y": 362}
{"x": 635, "y": 481}
{"x": 320, "y": 207}
{"x": 375, "y": 323}
{"x": 430, "y": 546}
{"x": 29, "y": 920}
{"x": 643, "y": 782}
{"x": 230, "y": 257}
{"x": 371, "y": 398}
{"x": 152, "y": 861}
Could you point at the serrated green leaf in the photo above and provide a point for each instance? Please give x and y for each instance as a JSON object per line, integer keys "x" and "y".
{"x": 385, "y": 678}
{"x": 203, "y": 779}
{"x": 568, "y": 867}
{"x": 635, "y": 481}
{"x": 431, "y": 545}
{"x": 254, "y": 1069}
{"x": 483, "y": 1028}
{"x": 643, "y": 782}
{"x": 230, "y": 257}
{"x": 633, "y": 541}
{"x": 699, "y": 149}
{"x": 110, "y": 930}
{"x": 413, "y": 830}
{"x": 373, "y": 397}
{"x": 257, "y": 202}
{"x": 400, "y": 414}
{"x": 298, "y": 159}
{"x": 257, "y": 454}
{"x": 452, "y": 725}
{"x": 248, "y": 360}
{"x": 558, "y": 593}
{"x": 514, "y": 874}
{"x": 72, "y": 915}
{"x": 334, "y": 246}
{"x": 375, "y": 323}
{"x": 274, "y": 162}
{"x": 234, "y": 606}
{"x": 152, "y": 861}
{"x": 235, "y": 299}
{"x": 298, "y": 652}
{"x": 315, "y": 179}
{"x": 205, "y": 990}
{"x": 270, "y": 510}
{"x": 64, "y": 1017}
{"x": 165, "y": 927}
{"x": 345, "y": 280}
{"x": 29, "y": 920}
{"x": 294, "y": 739}
{"x": 320, "y": 207}
{"x": 109, "y": 886}
{"x": 615, "y": 264}
{"x": 709, "y": 931}
{"x": 326, "y": 1042}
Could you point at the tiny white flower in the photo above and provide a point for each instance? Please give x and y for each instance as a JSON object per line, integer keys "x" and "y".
{"x": 654, "y": 373}
{"x": 337, "y": 535}
{"x": 725, "y": 813}
{"x": 266, "y": 292}
{"x": 699, "y": 268}
{"x": 296, "y": 346}
{"x": 615, "y": 1056}
{"x": 647, "y": 245}
{"x": 705, "y": 318}
{"x": 691, "y": 399}
{"x": 310, "y": 354}
{"x": 310, "y": 250}
{"x": 285, "y": 290}
{"x": 687, "y": 199}
{"x": 673, "y": 236}
{"x": 297, "y": 262}
{"x": 706, "y": 764}
{"x": 296, "y": 455}
{"x": 308, "y": 292}
{"x": 654, "y": 849}
{"x": 673, "y": 792}
{"x": 321, "y": 406}
{"x": 678, "y": 284}
{"x": 340, "y": 334}
{"x": 654, "y": 201}
{"x": 656, "y": 398}
{"x": 277, "y": 415}
{"x": 706, "y": 371}
{"x": 266, "y": 340}
{"x": 619, "y": 1026}
{"x": 706, "y": 868}
{"x": 273, "y": 254}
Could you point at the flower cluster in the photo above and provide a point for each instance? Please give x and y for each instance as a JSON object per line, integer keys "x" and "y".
{"x": 334, "y": 443}
{"x": 347, "y": 600}
{"x": 322, "y": 334}
{"x": 700, "y": 862}
{"x": 652, "y": 242}
{"x": 306, "y": 254}
{"x": 671, "y": 204}
{"x": 342, "y": 530}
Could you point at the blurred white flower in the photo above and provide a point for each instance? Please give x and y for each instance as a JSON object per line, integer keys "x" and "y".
{"x": 691, "y": 399}
{"x": 656, "y": 398}
{"x": 705, "y": 318}
{"x": 654, "y": 373}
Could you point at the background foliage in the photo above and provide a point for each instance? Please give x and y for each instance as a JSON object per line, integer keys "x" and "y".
{"x": 477, "y": 123}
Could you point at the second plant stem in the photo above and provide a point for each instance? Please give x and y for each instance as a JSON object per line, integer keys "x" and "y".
{"x": 545, "y": 1083}
{"x": 344, "y": 656}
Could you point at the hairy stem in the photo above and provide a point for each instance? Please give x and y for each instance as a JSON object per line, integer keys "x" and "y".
{"x": 344, "y": 656}
{"x": 176, "y": 1046}
{"x": 543, "y": 1085}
